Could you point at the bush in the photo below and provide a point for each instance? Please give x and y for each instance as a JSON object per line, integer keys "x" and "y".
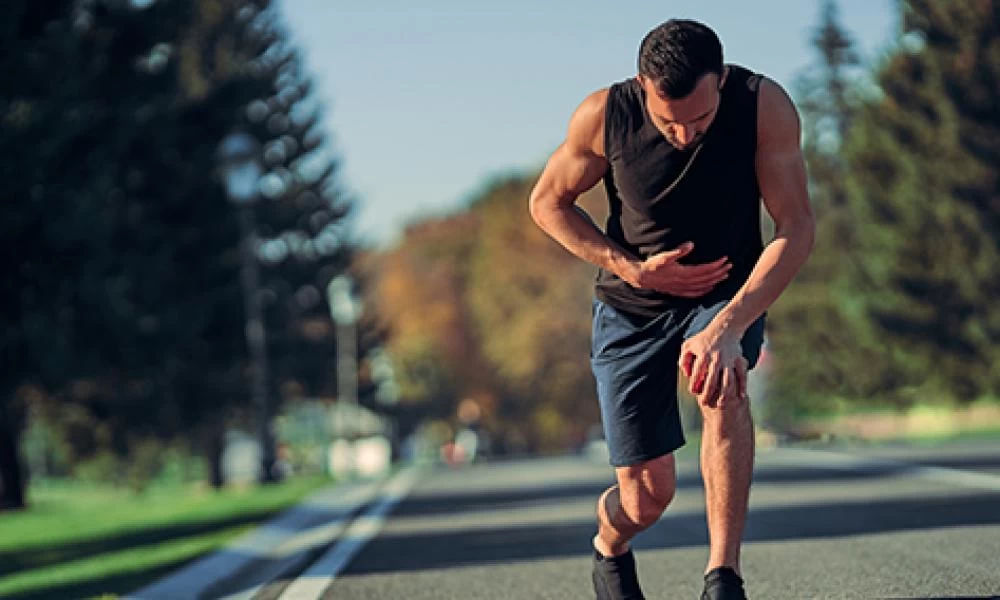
{"x": 103, "y": 467}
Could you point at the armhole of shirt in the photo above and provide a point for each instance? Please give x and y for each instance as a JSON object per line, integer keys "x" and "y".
{"x": 753, "y": 82}
{"x": 612, "y": 93}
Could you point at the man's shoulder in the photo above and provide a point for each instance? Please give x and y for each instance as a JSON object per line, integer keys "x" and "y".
{"x": 595, "y": 101}
{"x": 779, "y": 126}
{"x": 615, "y": 93}
{"x": 589, "y": 115}
{"x": 586, "y": 126}
{"x": 775, "y": 107}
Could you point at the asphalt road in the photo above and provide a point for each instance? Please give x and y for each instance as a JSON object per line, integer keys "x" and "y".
{"x": 876, "y": 523}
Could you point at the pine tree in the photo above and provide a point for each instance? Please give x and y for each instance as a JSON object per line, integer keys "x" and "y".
{"x": 923, "y": 165}
{"x": 119, "y": 240}
{"x": 815, "y": 347}
{"x": 305, "y": 235}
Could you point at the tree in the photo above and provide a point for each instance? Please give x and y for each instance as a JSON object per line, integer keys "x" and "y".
{"x": 923, "y": 188}
{"x": 304, "y": 223}
{"x": 482, "y": 305}
{"x": 120, "y": 243}
{"x": 531, "y": 303}
{"x": 418, "y": 292}
{"x": 818, "y": 351}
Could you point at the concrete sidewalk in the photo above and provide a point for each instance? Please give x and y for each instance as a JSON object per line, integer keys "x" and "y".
{"x": 282, "y": 547}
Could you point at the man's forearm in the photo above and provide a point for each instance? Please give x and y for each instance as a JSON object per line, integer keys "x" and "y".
{"x": 575, "y": 231}
{"x": 775, "y": 269}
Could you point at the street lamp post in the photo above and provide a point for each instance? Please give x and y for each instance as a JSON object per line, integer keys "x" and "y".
{"x": 238, "y": 157}
{"x": 345, "y": 310}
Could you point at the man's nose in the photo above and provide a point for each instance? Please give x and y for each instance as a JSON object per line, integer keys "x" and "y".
{"x": 683, "y": 133}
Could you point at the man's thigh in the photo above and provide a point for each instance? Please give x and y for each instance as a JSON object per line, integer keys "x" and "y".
{"x": 634, "y": 360}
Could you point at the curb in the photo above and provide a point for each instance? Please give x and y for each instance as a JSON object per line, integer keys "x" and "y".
{"x": 271, "y": 549}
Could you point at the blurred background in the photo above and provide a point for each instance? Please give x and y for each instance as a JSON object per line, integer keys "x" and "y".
{"x": 252, "y": 243}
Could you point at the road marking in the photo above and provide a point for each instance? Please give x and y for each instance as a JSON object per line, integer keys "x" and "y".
{"x": 311, "y": 584}
{"x": 969, "y": 479}
{"x": 278, "y": 539}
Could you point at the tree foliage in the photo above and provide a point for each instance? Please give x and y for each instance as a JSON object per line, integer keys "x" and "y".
{"x": 923, "y": 176}
{"x": 483, "y": 305}
{"x": 119, "y": 242}
{"x": 818, "y": 350}
{"x": 895, "y": 307}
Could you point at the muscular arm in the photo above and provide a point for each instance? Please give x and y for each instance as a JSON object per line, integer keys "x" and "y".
{"x": 782, "y": 177}
{"x": 575, "y": 167}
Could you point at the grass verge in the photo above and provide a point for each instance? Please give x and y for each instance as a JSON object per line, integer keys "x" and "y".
{"x": 79, "y": 541}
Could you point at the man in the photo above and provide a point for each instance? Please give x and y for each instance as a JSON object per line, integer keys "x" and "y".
{"x": 686, "y": 150}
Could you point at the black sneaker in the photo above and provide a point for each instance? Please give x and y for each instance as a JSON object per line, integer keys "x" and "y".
{"x": 615, "y": 577}
{"x": 723, "y": 584}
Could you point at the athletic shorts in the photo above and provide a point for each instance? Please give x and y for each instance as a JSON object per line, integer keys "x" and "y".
{"x": 634, "y": 360}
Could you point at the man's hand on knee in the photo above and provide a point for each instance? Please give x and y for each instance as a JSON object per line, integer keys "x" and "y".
{"x": 713, "y": 362}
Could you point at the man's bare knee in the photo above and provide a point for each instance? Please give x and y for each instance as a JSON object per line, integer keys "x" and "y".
{"x": 647, "y": 489}
{"x": 645, "y": 508}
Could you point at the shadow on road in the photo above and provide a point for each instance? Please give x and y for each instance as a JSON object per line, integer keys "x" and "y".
{"x": 533, "y": 495}
{"x": 966, "y": 463}
{"x": 443, "y": 549}
{"x": 504, "y": 500}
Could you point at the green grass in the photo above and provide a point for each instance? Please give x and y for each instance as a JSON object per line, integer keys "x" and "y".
{"x": 78, "y": 541}
{"x": 934, "y": 439}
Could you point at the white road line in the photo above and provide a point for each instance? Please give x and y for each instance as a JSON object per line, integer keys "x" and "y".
{"x": 970, "y": 479}
{"x": 278, "y": 539}
{"x": 311, "y": 584}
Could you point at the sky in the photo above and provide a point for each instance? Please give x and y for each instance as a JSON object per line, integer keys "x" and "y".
{"x": 426, "y": 101}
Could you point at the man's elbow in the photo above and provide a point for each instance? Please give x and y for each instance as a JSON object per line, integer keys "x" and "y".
{"x": 800, "y": 232}
{"x": 538, "y": 206}
{"x": 805, "y": 229}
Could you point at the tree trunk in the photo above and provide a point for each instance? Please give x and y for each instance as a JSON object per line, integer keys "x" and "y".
{"x": 11, "y": 472}
{"x": 214, "y": 446}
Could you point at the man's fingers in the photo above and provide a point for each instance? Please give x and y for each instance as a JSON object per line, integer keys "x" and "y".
{"x": 677, "y": 253}
{"x": 686, "y": 286}
{"x": 719, "y": 266}
{"x": 686, "y": 363}
{"x": 729, "y": 386}
{"x": 710, "y": 390}
{"x": 710, "y": 278}
{"x": 697, "y": 376}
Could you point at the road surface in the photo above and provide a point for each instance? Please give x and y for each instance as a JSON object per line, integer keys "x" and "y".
{"x": 875, "y": 523}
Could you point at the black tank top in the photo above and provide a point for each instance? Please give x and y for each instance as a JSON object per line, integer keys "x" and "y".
{"x": 716, "y": 204}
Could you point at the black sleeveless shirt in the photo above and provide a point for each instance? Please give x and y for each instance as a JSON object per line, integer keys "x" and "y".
{"x": 716, "y": 204}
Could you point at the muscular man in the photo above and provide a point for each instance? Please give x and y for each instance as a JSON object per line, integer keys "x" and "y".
{"x": 686, "y": 150}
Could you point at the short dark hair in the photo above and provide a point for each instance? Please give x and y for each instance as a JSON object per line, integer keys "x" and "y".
{"x": 677, "y": 53}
